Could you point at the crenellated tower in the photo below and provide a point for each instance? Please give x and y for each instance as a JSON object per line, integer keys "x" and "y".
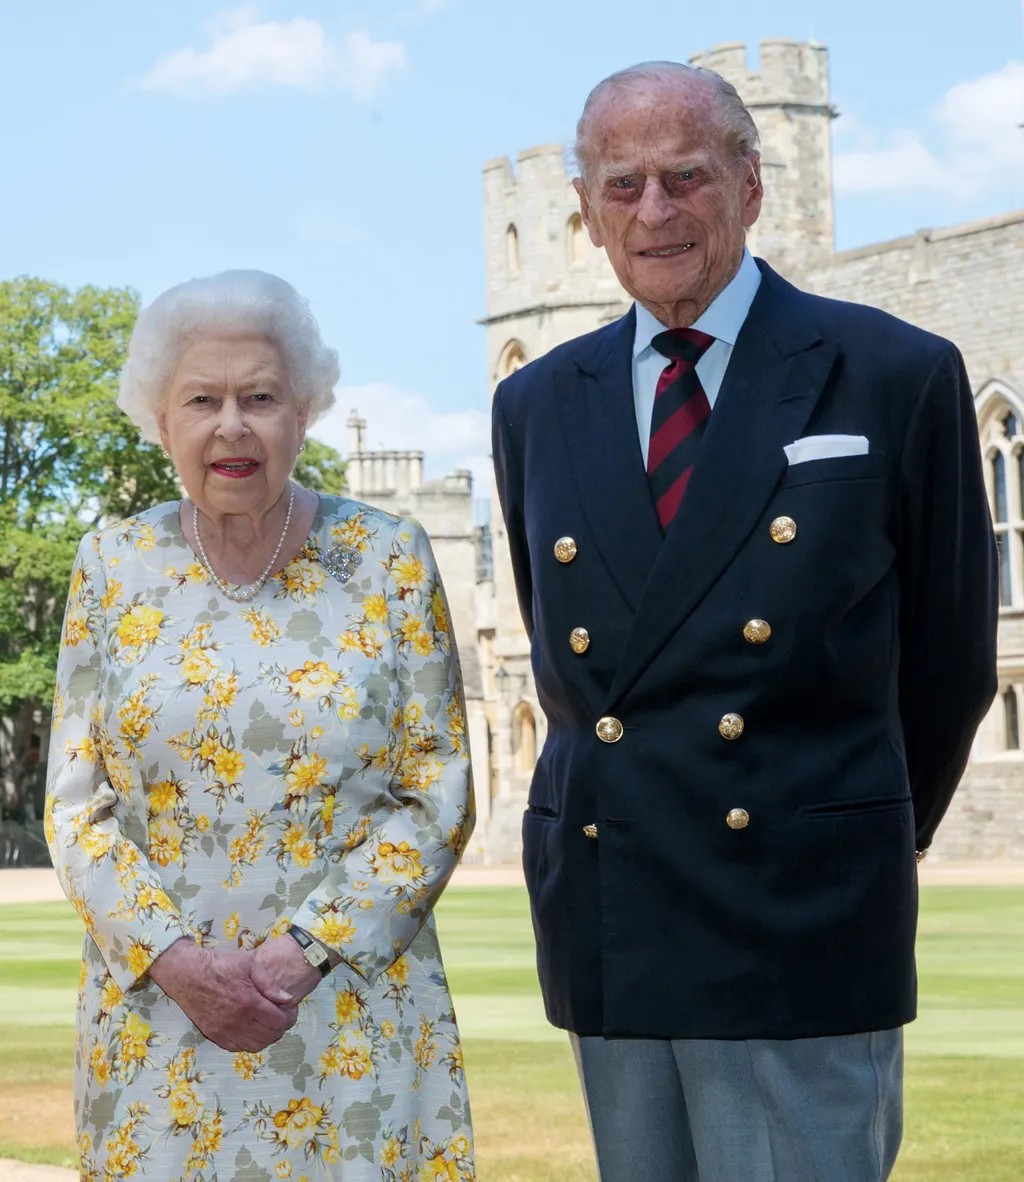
{"x": 788, "y": 96}
{"x": 545, "y": 282}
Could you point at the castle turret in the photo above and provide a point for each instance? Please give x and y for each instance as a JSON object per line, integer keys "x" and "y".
{"x": 789, "y": 100}
{"x": 545, "y": 282}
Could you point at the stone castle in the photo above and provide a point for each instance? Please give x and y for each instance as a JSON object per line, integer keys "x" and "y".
{"x": 546, "y": 284}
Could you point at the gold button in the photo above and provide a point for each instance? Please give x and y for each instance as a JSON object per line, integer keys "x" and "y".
{"x": 565, "y": 549}
{"x": 590, "y": 830}
{"x": 783, "y": 530}
{"x": 609, "y": 730}
{"x": 756, "y": 631}
{"x": 579, "y": 640}
{"x": 731, "y": 726}
{"x": 737, "y": 818}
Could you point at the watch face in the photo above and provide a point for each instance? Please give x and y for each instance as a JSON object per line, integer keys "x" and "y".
{"x": 317, "y": 958}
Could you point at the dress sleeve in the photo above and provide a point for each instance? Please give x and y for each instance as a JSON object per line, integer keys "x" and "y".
{"x": 379, "y": 894}
{"x": 106, "y": 876}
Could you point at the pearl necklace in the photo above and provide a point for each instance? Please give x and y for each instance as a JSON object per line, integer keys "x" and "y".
{"x": 243, "y": 594}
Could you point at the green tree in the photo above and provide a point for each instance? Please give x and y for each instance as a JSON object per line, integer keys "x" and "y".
{"x": 319, "y": 467}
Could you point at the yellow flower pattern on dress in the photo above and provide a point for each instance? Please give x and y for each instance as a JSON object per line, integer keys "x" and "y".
{"x": 219, "y": 771}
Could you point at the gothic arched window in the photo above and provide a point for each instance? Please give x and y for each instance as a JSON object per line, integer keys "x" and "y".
{"x": 513, "y": 357}
{"x": 1000, "y": 417}
{"x": 512, "y": 251}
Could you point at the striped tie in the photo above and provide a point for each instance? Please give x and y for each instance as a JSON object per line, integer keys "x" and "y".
{"x": 681, "y": 411}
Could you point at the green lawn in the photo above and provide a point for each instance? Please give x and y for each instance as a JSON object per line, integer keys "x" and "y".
{"x": 965, "y": 1054}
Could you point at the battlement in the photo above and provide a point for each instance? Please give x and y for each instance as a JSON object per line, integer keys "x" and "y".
{"x": 792, "y": 73}
{"x": 535, "y": 169}
{"x": 377, "y": 475}
{"x": 538, "y": 252}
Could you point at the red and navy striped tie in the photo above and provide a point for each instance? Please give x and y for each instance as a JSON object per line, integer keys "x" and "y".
{"x": 681, "y": 412}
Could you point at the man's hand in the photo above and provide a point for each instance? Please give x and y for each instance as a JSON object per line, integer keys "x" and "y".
{"x": 218, "y": 995}
{"x": 280, "y": 971}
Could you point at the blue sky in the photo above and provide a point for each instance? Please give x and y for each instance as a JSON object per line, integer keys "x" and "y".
{"x": 340, "y": 145}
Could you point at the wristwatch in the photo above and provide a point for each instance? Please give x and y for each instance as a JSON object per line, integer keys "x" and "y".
{"x": 314, "y": 952}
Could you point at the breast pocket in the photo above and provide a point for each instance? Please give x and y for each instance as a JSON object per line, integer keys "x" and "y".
{"x": 871, "y": 466}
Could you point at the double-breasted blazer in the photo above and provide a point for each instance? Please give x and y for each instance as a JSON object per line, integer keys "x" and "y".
{"x": 779, "y": 694}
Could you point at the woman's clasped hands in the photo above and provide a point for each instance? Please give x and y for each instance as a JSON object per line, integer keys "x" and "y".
{"x": 242, "y": 1001}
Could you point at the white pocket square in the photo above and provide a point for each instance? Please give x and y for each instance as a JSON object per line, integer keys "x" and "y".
{"x": 825, "y": 447}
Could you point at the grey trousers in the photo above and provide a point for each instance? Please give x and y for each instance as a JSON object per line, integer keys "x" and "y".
{"x": 763, "y": 1110}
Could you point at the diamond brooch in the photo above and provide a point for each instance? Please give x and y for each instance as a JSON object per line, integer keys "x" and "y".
{"x": 341, "y": 562}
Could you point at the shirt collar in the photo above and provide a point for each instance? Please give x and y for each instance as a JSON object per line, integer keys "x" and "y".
{"x": 722, "y": 318}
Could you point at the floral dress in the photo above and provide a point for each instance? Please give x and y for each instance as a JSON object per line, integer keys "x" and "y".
{"x": 221, "y": 770}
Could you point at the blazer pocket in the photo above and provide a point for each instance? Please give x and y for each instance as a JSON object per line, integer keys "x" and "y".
{"x": 541, "y": 812}
{"x": 868, "y": 467}
{"x": 859, "y": 807}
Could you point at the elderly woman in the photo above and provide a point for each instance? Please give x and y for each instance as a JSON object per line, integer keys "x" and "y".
{"x": 259, "y": 787}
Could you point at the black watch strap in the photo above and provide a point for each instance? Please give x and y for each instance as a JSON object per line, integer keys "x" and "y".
{"x": 314, "y": 952}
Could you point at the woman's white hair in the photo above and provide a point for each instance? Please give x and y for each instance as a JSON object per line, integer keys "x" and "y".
{"x": 233, "y": 303}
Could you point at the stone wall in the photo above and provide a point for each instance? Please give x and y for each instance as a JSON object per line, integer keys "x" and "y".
{"x": 964, "y": 282}
{"x": 985, "y": 821}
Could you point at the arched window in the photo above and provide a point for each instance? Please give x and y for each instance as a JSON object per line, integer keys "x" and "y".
{"x": 512, "y": 251}
{"x": 1012, "y": 721}
{"x": 576, "y": 240}
{"x": 1000, "y": 416}
{"x": 513, "y": 357}
{"x": 524, "y": 739}
{"x": 999, "y": 487}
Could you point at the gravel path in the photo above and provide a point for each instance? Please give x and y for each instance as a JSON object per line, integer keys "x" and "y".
{"x": 16, "y": 1171}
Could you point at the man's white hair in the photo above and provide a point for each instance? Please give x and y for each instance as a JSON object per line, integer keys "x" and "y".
{"x": 737, "y": 125}
{"x": 233, "y": 303}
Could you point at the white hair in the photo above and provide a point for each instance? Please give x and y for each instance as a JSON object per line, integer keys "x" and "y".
{"x": 233, "y": 303}
{"x": 735, "y": 121}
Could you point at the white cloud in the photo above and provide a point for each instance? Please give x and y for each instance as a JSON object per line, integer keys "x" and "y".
{"x": 400, "y": 420}
{"x": 905, "y": 166}
{"x": 244, "y": 52}
{"x": 365, "y": 62}
{"x": 977, "y": 146}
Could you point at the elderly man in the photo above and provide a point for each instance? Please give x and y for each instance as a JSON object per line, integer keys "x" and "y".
{"x": 754, "y": 558}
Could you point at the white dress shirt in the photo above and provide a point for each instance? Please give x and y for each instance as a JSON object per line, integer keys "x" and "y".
{"x": 722, "y": 319}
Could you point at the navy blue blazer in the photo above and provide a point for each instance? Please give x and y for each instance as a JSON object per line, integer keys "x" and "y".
{"x": 858, "y": 711}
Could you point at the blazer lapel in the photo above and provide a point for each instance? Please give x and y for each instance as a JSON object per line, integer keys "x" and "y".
{"x": 778, "y": 368}
{"x": 599, "y": 422}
